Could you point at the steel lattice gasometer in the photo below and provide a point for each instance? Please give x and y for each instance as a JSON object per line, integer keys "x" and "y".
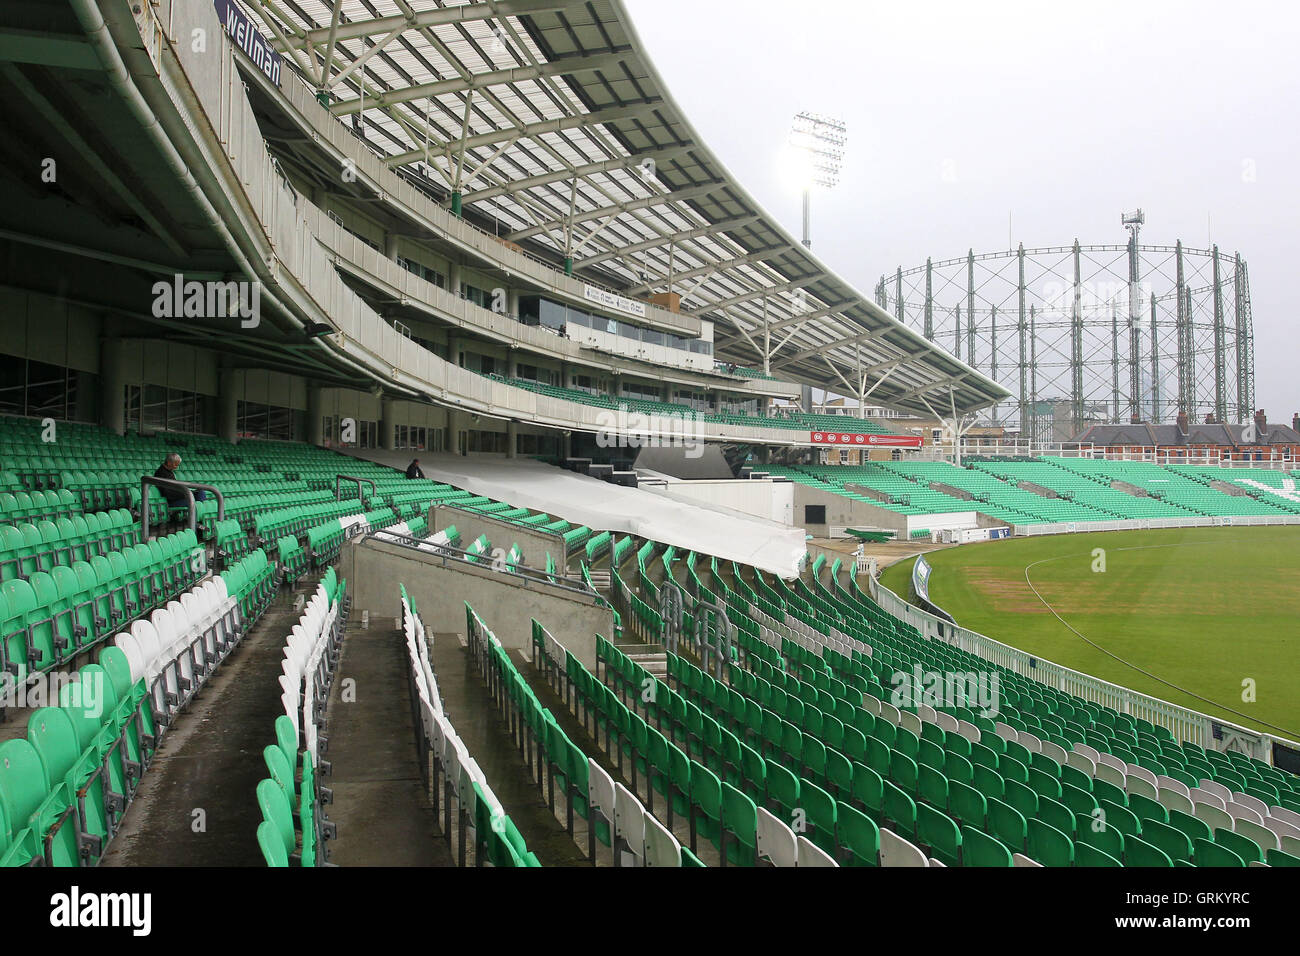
{"x": 1061, "y": 328}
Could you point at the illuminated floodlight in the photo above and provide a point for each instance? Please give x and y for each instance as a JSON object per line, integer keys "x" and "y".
{"x": 821, "y": 140}
{"x": 817, "y": 141}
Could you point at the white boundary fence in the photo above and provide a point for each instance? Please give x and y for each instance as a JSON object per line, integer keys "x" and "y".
{"x": 1150, "y": 524}
{"x": 1211, "y": 733}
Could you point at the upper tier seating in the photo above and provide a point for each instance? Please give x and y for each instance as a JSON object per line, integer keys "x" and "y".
{"x": 1085, "y": 489}
{"x": 800, "y": 421}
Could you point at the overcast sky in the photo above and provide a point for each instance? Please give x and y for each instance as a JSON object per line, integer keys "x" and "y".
{"x": 1060, "y": 116}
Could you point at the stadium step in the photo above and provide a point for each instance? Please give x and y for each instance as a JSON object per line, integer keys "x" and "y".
{"x": 194, "y": 806}
{"x": 469, "y": 707}
{"x": 380, "y": 804}
{"x": 655, "y": 663}
{"x": 600, "y": 580}
{"x": 594, "y": 747}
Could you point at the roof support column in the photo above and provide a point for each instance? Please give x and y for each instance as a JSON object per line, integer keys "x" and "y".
{"x": 767, "y": 341}
{"x": 457, "y": 196}
{"x": 568, "y": 228}
{"x": 861, "y": 378}
{"x": 112, "y": 377}
{"x": 227, "y": 406}
{"x": 958, "y": 425}
{"x": 315, "y": 414}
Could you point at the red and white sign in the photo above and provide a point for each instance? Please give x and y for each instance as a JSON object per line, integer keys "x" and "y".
{"x": 864, "y": 441}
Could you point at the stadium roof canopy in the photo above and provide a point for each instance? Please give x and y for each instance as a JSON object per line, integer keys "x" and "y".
{"x": 550, "y": 121}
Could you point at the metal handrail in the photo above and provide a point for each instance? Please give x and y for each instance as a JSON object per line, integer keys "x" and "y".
{"x": 448, "y": 551}
{"x": 189, "y": 487}
{"x": 339, "y": 479}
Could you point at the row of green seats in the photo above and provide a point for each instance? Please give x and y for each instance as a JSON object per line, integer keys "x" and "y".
{"x": 65, "y": 786}
{"x": 29, "y": 547}
{"x": 51, "y": 617}
{"x": 37, "y": 506}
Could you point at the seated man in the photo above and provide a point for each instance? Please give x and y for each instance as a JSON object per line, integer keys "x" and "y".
{"x": 413, "y": 469}
{"x": 176, "y": 500}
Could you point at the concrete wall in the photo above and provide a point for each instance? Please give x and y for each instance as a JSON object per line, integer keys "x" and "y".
{"x": 952, "y": 519}
{"x": 505, "y": 602}
{"x": 843, "y": 511}
{"x": 849, "y": 513}
{"x": 696, "y": 462}
{"x": 49, "y": 329}
{"x": 534, "y": 544}
{"x": 759, "y": 498}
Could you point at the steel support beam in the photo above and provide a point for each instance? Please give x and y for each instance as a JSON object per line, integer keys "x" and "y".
{"x": 970, "y": 310}
{"x": 1220, "y": 383}
{"x": 1076, "y": 343}
{"x": 429, "y": 18}
{"x": 564, "y": 66}
{"x": 1134, "y": 330}
{"x": 1155, "y": 366}
{"x": 1022, "y": 329}
{"x": 929, "y": 301}
{"x": 1182, "y": 323}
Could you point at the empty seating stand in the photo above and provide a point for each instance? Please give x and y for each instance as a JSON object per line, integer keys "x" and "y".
{"x": 65, "y": 787}
{"x": 49, "y": 618}
{"x": 803, "y": 721}
{"x": 477, "y": 821}
{"x": 293, "y": 559}
{"x": 294, "y": 826}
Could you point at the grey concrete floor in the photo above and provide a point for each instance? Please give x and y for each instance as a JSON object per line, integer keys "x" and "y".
{"x": 595, "y": 748}
{"x": 380, "y": 805}
{"x": 470, "y": 709}
{"x": 196, "y": 805}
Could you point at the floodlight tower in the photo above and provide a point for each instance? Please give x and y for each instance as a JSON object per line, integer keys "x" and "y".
{"x": 1133, "y": 222}
{"x": 821, "y": 139}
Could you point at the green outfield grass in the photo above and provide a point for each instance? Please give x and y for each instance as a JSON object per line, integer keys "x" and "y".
{"x": 1202, "y": 608}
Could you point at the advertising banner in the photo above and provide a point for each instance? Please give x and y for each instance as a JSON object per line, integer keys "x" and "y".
{"x": 612, "y": 300}
{"x": 247, "y": 38}
{"x": 921, "y": 578}
{"x": 865, "y": 441}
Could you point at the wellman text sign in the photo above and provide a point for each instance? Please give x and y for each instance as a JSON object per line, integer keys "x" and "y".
{"x": 248, "y": 39}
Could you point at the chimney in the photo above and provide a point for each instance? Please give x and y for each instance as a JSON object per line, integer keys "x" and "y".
{"x": 1182, "y": 423}
{"x": 1261, "y": 426}
{"x": 1295, "y": 421}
